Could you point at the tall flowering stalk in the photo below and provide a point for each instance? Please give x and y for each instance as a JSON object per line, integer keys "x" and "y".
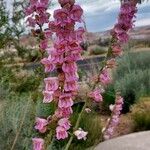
{"x": 63, "y": 56}
{"x": 114, "y": 120}
{"x": 37, "y": 17}
{"x": 119, "y": 37}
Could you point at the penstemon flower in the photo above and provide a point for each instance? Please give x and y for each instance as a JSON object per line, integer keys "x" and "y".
{"x": 38, "y": 144}
{"x": 61, "y": 133}
{"x": 80, "y": 134}
{"x": 48, "y": 96}
{"x": 96, "y": 95}
{"x": 105, "y": 77}
{"x": 65, "y": 123}
{"x": 41, "y": 125}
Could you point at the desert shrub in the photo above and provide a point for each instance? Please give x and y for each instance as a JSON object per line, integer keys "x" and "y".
{"x": 133, "y": 86}
{"x": 130, "y": 62}
{"x": 141, "y": 114}
{"x": 17, "y": 112}
{"x": 97, "y": 50}
{"x": 27, "y": 54}
{"x": 132, "y": 77}
{"x": 18, "y": 80}
{"x": 139, "y": 43}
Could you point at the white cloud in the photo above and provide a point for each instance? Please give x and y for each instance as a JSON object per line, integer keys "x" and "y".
{"x": 92, "y": 8}
{"x": 142, "y": 22}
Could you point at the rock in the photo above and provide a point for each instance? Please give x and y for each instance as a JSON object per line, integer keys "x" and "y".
{"x": 134, "y": 141}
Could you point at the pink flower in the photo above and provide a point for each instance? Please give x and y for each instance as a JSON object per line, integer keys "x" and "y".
{"x": 123, "y": 37}
{"x": 119, "y": 100}
{"x": 63, "y": 112}
{"x": 47, "y": 34}
{"x": 60, "y": 46}
{"x": 51, "y": 83}
{"x": 105, "y": 77}
{"x": 111, "y": 63}
{"x": 64, "y": 122}
{"x": 65, "y": 100}
{"x": 50, "y": 51}
{"x": 41, "y": 125}
{"x": 64, "y": 2}
{"x": 116, "y": 50}
{"x": 113, "y": 122}
{"x": 76, "y": 13}
{"x": 41, "y": 7}
{"x": 80, "y": 134}
{"x": 49, "y": 66}
{"x": 38, "y": 144}
{"x": 53, "y": 26}
{"x": 61, "y": 16}
{"x": 72, "y": 76}
{"x": 74, "y": 47}
{"x": 61, "y": 133}
{"x": 56, "y": 58}
{"x": 48, "y": 96}
{"x": 96, "y": 95}
{"x": 71, "y": 86}
{"x": 42, "y": 18}
{"x": 29, "y": 10}
{"x": 79, "y": 34}
{"x": 44, "y": 44}
{"x": 31, "y": 21}
{"x": 69, "y": 67}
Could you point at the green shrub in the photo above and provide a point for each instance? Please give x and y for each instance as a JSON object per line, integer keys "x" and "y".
{"x": 18, "y": 111}
{"x": 132, "y": 77}
{"x": 131, "y": 62}
{"x": 141, "y": 115}
{"x": 97, "y": 50}
{"x": 133, "y": 86}
{"x": 109, "y": 98}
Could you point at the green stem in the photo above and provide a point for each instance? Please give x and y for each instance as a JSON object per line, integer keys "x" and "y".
{"x": 76, "y": 127}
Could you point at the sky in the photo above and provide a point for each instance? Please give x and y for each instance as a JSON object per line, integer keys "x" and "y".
{"x": 101, "y": 15}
